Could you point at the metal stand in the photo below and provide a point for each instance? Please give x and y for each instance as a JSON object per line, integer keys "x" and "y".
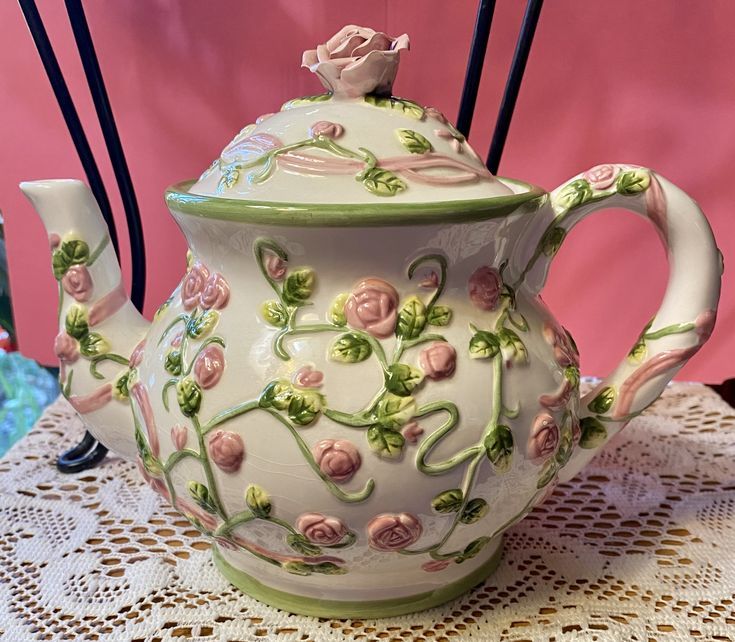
{"x": 89, "y": 452}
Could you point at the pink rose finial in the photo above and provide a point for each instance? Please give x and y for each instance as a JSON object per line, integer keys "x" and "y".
{"x": 54, "y": 240}
{"x": 432, "y": 566}
{"x": 308, "y": 377}
{"x": 484, "y": 288}
{"x": 338, "y": 459}
{"x": 77, "y": 282}
{"x": 602, "y": 176}
{"x": 412, "y": 431}
{"x": 327, "y": 129}
{"x": 275, "y": 266}
{"x": 373, "y": 306}
{"x": 356, "y": 61}
{"x": 438, "y": 360}
{"x": 393, "y": 531}
{"x": 216, "y": 292}
{"x": 136, "y": 356}
{"x": 565, "y": 353}
{"x": 433, "y": 112}
{"x": 321, "y": 529}
{"x": 227, "y": 450}
{"x": 209, "y": 366}
{"x": 193, "y": 284}
{"x": 544, "y": 438}
{"x": 66, "y": 348}
{"x": 179, "y": 436}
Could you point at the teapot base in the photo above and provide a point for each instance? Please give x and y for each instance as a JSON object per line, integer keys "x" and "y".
{"x": 344, "y": 609}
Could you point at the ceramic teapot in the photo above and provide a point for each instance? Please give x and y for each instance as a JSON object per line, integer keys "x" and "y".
{"x": 356, "y": 388}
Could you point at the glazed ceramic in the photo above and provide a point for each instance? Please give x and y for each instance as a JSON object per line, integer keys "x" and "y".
{"x": 356, "y": 388}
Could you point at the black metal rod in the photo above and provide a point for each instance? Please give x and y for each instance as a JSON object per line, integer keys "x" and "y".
{"x": 85, "y": 455}
{"x": 69, "y": 112}
{"x": 114, "y": 147}
{"x": 475, "y": 62}
{"x": 513, "y": 84}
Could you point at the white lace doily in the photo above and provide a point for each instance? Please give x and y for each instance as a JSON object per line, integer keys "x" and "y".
{"x": 639, "y": 547}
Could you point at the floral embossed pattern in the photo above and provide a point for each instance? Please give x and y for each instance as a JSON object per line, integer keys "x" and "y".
{"x": 613, "y": 553}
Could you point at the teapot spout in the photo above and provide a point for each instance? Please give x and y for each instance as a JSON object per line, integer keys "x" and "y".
{"x": 99, "y": 328}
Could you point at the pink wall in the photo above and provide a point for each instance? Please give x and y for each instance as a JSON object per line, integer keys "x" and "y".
{"x": 650, "y": 83}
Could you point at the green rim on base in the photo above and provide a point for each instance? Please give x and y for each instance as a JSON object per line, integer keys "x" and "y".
{"x": 181, "y": 200}
{"x": 339, "y": 609}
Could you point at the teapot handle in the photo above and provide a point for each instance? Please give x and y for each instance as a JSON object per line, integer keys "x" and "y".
{"x": 686, "y": 317}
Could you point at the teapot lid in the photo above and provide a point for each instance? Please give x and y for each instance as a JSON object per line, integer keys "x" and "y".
{"x": 355, "y": 144}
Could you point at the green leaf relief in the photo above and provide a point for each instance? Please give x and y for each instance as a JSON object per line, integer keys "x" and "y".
{"x": 328, "y": 568}
{"x": 305, "y": 101}
{"x": 304, "y": 407}
{"x": 474, "y": 511}
{"x": 299, "y": 286}
{"x": 188, "y": 396}
{"x": 484, "y": 345}
{"x": 120, "y": 389}
{"x": 337, "y": 309}
{"x": 499, "y": 447}
{"x": 394, "y": 411}
{"x": 200, "y": 326}
{"x": 163, "y": 307}
{"x": 71, "y": 252}
{"x": 473, "y": 548}
{"x": 382, "y": 182}
{"x": 93, "y": 345}
{"x": 76, "y": 322}
{"x": 172, "y": 362}
{"x": 258, "y": 501}
{"x": 633, "y": 181}
{"x": 297, "y": 568}
{"x": 440, "y": 315}
{"x": 512, "y": 347}
{"x": 402, "y": 379}
{"x": 401, "y": 105}
{"x": 573, "y": 194}
{"x": 594, "y": 433}
{"x": 411, "y": 318}
{"x": 229, "y": 178}
{"x": 350, "y": 348}
{"x": 301, "y": 545}
{"x": 448, "y": 501}
{"x": 277, "y": 394}
{"x": 200, "y": 494}
{"x": 571, "y": 374}
{"x": 548, "y": 472}
{"x": 603, "y": 401}
{"x": 385, "y": 442}
{"x": 59, "y": 264}
{"x": 638, "y": 352}
{"x": 566, "y": 444}
{"x": 274, "y": 314}
{"x": 552, "y": 240}
{"x": 413, "y": 141}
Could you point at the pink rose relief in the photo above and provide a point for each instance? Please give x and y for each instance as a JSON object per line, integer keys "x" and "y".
{"x": 66, "y": 348}
{"x": 179, "y": 436}
{"x": 544, "y": 438}
{"x": 438, "y": 360}
{"x": 484, "y": 287}
{"x": 602, "y": 176}
{"x": 216, "y": 292}
{"x": 338, "y": 459}
{"x": 77, "y": 282}
{"x": 326, "y": 128}
{"x": 136, "y": 356}
{"x": 321, "y": 529}
{"x": 209, "y": 366}
{"x": 393, "y": 531}
{"x": 356, "y": 61}
{"x": 275, "y": 266}
{"x": 565, "y": 353}
{"x": 308, "y": 377}
{"x": 373, "y": 306}
{"x": 227, "y": 450}
{"x": 193, "y": 284}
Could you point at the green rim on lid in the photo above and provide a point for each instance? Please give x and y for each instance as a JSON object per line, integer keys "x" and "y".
{"x": 391, "y": 214}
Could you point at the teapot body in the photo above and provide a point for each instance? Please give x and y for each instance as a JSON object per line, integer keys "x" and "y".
{"x": 355, "y": 412}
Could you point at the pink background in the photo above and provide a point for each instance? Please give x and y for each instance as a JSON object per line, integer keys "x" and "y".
{"x": 624, "y": 81}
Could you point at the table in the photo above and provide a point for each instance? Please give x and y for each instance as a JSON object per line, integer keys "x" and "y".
{"x": 640, "y": 546}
